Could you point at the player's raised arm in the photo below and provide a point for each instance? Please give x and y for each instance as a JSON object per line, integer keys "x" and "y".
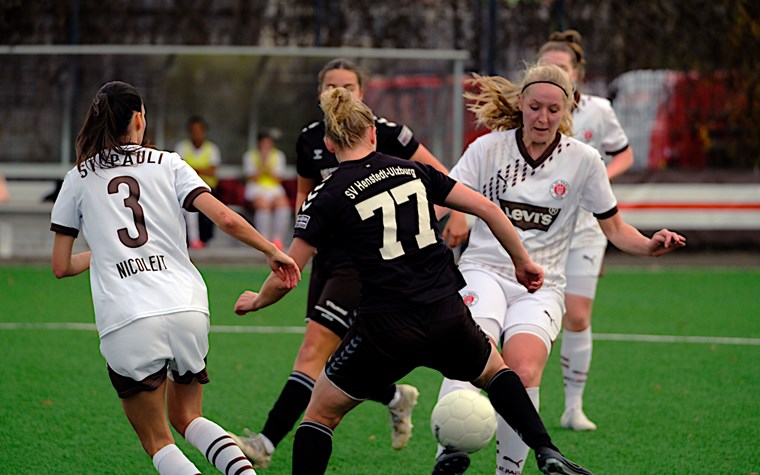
{"x": 628, "y": 239}
{"x": 233, "y": 224}
{"x": 528, "y": 273}
{"x": 274, "y": 288}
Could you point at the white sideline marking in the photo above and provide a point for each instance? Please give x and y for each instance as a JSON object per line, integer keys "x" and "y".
{"x": 677, "y": 339}
{"x": 299, "y": 330}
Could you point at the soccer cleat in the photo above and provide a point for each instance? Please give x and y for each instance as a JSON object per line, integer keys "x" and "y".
{"x": 451, "y": 463}
{"x": 401, "y": 415}
{"x": 551, "y": 461}
{"x": 254, "y": 448}
{"x": 574, "y": 419}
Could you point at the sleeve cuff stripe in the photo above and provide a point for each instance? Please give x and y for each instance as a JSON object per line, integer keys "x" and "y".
{"x": 57, "y": 228}
{"x": 188, "y": 203}
{"x": 618, "y": 152}
{"x": 607, "y": 214}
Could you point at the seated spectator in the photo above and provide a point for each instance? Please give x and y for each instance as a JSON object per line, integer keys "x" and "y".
{"x": 204, "y": 157}
{"x": 264, "y": 167}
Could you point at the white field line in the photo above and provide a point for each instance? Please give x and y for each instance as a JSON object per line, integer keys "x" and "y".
{"x": 710, "y": 340}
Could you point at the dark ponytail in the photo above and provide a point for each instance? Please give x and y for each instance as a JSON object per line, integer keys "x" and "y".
{"x": 107, "y": 122}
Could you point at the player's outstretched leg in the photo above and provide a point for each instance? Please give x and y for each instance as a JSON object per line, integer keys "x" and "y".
{"x": 290, "y": 405}
{"x": 551, "y": 461}
{"x": 451, "y": 463}
{"x": 217, "y": 446}
{"x": 400, "y": 412}
{"x": 511, "y": 401}
{"x": 256, "y": 447}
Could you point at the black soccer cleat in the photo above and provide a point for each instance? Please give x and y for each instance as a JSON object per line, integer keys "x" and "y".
{"x": 551, "y": 461}
{"x": 451, "y": 463}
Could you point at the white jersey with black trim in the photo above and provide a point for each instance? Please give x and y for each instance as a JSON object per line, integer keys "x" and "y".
{"x": 541, "y": 197}
{"x": 130, "y": 215}
{"x": 595, "y": 124}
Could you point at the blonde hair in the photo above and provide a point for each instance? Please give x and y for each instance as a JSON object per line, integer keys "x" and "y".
{"x": 496, "y": 104}
{"x": 346, "y": 117}
{"x": 568, "y": 41}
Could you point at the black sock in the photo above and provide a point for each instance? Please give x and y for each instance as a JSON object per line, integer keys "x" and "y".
{"x": 289, "y": 407}
{"x": 508, "y": 396}
{"x": 312, "y": 448}
{"x": 385, "y": 396}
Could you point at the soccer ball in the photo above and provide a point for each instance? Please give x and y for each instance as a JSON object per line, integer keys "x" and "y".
{"x": 463, "y": 421}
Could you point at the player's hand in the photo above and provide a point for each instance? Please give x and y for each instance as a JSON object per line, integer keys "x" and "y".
{"x": 530, "y": 275}
{"x": 246, "y": 302}
{"x": 285, "y": 268}
{"x": 664, "y": 241}
{"x": 455, "y": 231}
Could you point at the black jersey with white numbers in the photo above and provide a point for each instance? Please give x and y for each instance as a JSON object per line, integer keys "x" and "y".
{"x": 379, "y": 211}
{"x": 315, "y": 162}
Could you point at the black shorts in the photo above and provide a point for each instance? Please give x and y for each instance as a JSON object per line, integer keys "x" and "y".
{"x": 334, "y": 292}
{"x": 380, "y": 349}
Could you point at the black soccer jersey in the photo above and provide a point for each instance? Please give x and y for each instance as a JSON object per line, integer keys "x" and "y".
{"x": 379, "y": 210}
{"x": 315, "y": 162}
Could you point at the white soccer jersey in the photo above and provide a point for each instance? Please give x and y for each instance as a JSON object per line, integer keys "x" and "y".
{"x": 130, "y": 216}
{"x": 597, "y": 125}
{"x": 541, "y": 197}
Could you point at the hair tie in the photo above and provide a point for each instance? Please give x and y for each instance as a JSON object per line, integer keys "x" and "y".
{"x": 544, "y": 82}
{"x": 96, "y": 102}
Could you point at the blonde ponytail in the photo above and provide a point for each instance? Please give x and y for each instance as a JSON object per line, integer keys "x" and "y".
{"x": 346, "y": 117}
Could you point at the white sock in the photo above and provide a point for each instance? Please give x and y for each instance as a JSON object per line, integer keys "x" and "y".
{"x": 511, "y": 451}
{"x": 281, "y": 222}
{"x": 450, "y": 385}
{"x": 262, "y": 221}
{"x": 171, "y": 461}
{"x": 218, "y": 447}
{"x": 575, "y": 356}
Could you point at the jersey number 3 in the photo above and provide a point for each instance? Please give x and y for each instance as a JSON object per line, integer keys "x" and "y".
{"x": 386, "y": 202}
{"x": 131, "y": 202}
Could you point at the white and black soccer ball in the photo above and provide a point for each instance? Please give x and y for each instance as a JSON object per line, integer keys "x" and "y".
{"x": 463, "y": 421}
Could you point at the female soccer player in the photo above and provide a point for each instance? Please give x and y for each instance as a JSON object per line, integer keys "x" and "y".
{"x": 541, "y": 178}
{"x": 595, "y": 123}
{"x": 151, "y": 304}
{"x": 380, "y": 210}
{"x": 334, "y": 287}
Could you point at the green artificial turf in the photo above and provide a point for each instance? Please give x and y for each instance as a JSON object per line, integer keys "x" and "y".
{"x": 662, "y": 408}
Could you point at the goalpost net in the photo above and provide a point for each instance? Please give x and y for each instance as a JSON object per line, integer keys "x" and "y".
{"x": 45, "y": 91}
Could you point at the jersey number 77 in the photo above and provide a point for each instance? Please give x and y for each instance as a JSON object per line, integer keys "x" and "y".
{"x": 387, "y": 202}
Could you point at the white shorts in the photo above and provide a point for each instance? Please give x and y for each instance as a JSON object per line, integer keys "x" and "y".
{"x": 254, "y": 191}
{"x": 582, "y": 270}
{"x": 178, "y": 341}
{"x": 504, "y": 308}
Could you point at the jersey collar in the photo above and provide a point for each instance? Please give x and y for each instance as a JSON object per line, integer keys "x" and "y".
{"x": 524, "y": 151}
{"x": 359, "y": 162}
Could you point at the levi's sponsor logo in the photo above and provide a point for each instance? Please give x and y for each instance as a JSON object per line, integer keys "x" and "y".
{"x": 527, "y": 217}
